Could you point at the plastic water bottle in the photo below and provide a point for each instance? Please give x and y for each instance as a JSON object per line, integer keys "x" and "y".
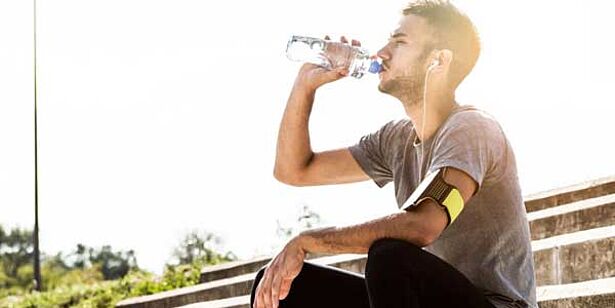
{"x": 331, "y": 55}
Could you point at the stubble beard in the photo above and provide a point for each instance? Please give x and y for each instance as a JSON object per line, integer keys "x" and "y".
{"x": 407, "y": 88}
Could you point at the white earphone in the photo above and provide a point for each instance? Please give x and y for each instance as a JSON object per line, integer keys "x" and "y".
{"x": 433, "y": 64}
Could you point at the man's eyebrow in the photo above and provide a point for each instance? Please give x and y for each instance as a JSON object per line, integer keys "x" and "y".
{"x": 398, "y": 34}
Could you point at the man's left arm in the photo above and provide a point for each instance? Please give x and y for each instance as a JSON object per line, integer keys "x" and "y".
{"x": 420, "y": 225}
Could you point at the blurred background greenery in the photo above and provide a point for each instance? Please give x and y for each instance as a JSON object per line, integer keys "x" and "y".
{"x": 96, "y": 277}
{"x": 100, "y": 277}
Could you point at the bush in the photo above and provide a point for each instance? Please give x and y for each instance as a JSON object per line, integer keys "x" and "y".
{"x": 81, "y": 292}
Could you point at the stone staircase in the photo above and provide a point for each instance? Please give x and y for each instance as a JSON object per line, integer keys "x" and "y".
{"x": 573, "y": 239}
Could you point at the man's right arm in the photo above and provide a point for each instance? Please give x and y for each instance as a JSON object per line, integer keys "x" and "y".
{"x": 296, "y": 164}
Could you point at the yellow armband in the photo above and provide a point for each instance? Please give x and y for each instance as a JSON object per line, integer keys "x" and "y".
{"x": 434, "y": 187}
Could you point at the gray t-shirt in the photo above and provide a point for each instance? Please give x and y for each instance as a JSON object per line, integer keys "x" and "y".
{"x": 490, "y": 240}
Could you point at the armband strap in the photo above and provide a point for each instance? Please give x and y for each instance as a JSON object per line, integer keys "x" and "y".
{"x": 434, "y": 187}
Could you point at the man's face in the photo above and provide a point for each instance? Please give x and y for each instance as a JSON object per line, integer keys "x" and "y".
{"x": 404, "y": 59}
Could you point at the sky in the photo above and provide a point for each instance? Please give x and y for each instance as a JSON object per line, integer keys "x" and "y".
{"x": 156, "y": 118}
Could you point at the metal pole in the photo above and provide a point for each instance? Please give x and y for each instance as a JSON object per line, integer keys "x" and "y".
{"x": 37, "y": 266}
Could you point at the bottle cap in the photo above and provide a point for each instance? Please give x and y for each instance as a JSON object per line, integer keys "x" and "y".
{"x": 375, "y": 67}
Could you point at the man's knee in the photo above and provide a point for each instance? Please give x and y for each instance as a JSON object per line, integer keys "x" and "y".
{"x": 388, "y": 255}
{"x": 391, "y": 246}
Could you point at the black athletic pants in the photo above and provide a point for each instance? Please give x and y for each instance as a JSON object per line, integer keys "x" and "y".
{"x": 398, "y": 274}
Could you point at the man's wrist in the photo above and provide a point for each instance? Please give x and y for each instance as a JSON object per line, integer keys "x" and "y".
{"x": 301, "y": 241}
{"x": 304, "y": 90}
{"x": 310, "y": 240}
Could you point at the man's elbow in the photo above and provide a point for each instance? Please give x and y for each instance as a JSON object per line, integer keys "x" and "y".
{"x": 428, "y": 220}
{"x": 426, "y": 238}
{"x": 289, "y": 178}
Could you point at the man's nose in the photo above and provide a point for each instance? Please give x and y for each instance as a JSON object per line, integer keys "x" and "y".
{"x": 383, "y": 53}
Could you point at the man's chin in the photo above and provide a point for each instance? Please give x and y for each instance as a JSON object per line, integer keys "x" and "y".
{"x": 384, "y": 88}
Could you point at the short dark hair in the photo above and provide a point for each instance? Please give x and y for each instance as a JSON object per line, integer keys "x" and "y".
{"x": 452, "y": 30}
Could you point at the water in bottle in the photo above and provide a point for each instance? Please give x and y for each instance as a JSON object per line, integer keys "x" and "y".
{"x": 331, "y": 55}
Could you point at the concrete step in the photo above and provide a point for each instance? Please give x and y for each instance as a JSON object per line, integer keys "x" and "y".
{"x": 573, "y": 193}
{"x": 598, "y": 293}
{"x": 232, "y": 269}
{"x": 218, "y": 289}
{"x": 236, "y": 268}
{"x": 228, "y": 287}
{"x": 580, "y": 256}
{"x": 233, "y": 302}
{"x": 571, "y": 217}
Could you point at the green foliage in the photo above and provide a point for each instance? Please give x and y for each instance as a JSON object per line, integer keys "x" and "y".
{"x": 90, "y": 277}
{"x": 100, "y": 294}
{"x": 108, "y": 293}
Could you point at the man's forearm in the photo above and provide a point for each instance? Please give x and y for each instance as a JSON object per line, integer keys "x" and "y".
{"x": 293, "y": 148}
{"x": 415, "y": 226}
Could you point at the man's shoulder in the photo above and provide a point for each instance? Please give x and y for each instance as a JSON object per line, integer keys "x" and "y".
{"x": 400, "y": 124}
{"x": 397, "y": 127}
{"x": 470, "y": 117}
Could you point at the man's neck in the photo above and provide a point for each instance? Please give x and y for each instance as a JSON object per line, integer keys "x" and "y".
{"x": 438, "y": 108}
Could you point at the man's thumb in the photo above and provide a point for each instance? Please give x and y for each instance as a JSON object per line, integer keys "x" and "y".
{"x": 335, "y": 74}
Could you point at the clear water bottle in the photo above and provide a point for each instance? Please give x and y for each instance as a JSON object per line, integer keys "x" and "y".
{"x": 331, "y": 55}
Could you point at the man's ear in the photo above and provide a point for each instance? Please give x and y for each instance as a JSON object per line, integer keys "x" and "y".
{"x": 443, "y": 58}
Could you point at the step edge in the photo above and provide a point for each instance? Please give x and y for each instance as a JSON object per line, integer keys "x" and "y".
{"x": 236, "y": 300}
{"x": 573, "y": 238}
{"x": 534, "y": 197}
{"x": 571, "y": 207}
{"x": 232, "y": 264}
{"x": 577, "y": 289}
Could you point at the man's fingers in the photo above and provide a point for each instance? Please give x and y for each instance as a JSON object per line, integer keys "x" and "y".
{"x": 275, "y": 289}
{"x": 343, "y": 39}
{"x": 334, "y": 74}
{"x": 285, "y": 288}
{"x": 356, "y": 43}
{"x": 265, "y": 298}
{"x": 258, "y": 298}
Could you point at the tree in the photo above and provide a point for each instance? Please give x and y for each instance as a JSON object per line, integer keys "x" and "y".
{"x": 113, "y": 265}
{"x": 2, "y": 235}
{"x": 81, "y": 257}
{"x": 16, "y": 250}
{"x": 200, "y": 247}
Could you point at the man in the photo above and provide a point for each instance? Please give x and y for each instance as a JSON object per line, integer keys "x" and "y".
{"x": 462, "y": 237}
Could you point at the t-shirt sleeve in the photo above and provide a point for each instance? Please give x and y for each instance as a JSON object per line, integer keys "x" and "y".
{"x": 372, "y": 153}
{"x": 472, "y": 142}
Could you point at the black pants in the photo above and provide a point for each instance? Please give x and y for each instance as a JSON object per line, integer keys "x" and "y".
{"x": 397, "y": 274}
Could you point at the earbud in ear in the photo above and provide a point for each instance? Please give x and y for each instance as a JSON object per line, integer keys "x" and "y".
{"x": 434, "y": 63}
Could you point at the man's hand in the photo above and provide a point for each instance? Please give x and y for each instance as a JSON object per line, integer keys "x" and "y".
{"x": 276, "y": 281}
{"x": 311, "y": 76}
